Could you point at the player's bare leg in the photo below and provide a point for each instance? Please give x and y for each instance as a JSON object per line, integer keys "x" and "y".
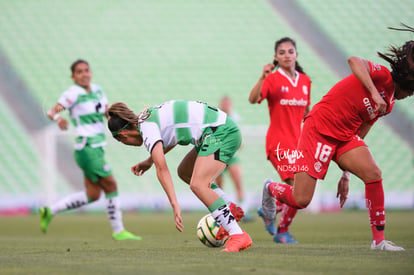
{"x": 185, "y": 172}
{"x": 206, "y": 169}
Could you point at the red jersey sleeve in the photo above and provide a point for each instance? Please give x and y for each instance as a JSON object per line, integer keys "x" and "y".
{"x": 309, "y": 91}
{"x": 384, "y": 83}
{"x": 379, "y": 74}
{"x": 348, "y": 104}
{"x": 265, "y": 89}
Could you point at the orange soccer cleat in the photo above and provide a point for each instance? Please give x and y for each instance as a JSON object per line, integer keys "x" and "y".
{"x": 238, "y": 242}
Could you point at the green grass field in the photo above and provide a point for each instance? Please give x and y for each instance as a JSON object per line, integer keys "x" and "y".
{"x": 330, "y": 243}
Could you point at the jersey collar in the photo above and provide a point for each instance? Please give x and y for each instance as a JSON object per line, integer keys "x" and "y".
{"x": 83, "y": 88}
{"x": 294, "y": 83}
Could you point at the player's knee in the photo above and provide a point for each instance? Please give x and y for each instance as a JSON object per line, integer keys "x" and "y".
{"x": 108, "y": 185}
{"x": 303, "y": 202}
{"x": 373, "y": 174}
{"x": 195, "y": 188}
{"x": 94, "y": 197}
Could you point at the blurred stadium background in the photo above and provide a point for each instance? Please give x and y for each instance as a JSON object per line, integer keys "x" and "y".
{"x": 147, "y": 52}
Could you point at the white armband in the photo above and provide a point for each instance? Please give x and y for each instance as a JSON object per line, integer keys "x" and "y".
{"x": 56, "y": 117}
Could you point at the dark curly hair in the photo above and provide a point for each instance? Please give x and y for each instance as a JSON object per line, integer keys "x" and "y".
{"x": 401, "y": 60}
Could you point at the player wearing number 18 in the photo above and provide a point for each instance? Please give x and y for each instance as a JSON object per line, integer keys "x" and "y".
{"x": 335, "y": 128}
{"x": 87, "y": 105}
{"x": 215, "y": 138}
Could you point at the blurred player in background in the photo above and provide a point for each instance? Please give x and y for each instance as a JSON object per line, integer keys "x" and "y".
{"x": 215, "y": 137}
{"x": 287, "y": 91}
{"x": 334, "y": 130}
{"x": 87, "y": 106}
{"x": 233, "y": 168}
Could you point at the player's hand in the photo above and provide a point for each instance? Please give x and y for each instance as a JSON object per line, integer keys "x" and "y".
{"x": 267, "y": 69}
{"x": 343, "y": 189}
{"x": 380, "y": 105}
{"x": 178, "y": 220}
{"x": 62, "y": 123}
{"x": 140, "y": 168}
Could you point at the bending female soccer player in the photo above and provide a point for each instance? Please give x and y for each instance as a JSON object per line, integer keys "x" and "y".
{"x": 216, "y": 138}
{"x": 334, "y": 130}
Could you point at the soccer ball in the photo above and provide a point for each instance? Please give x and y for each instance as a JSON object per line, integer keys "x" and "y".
{"x": 207, "y": 229}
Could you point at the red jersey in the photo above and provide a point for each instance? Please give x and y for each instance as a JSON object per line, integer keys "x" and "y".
{"x": 348, "y": 104}
{"x": 287, "y": 101}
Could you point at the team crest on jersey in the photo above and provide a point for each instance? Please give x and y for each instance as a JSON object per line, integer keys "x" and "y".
{"x": 305, "y": 89}
{"x": 376, "y": 67}
{"x": 317, "y": 166}
{"x": 106, "y": 168}
{"x": 284, "y": 89}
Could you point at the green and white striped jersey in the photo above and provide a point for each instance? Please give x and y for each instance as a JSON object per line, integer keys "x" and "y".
{"x": 179, "y": 122}
{"x": 86, "y": 111}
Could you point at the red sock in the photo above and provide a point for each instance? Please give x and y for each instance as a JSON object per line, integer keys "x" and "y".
{"x": 283, "y": 192}
{"x": 279, "y": 206}
{"x": 288, "y": 213}
{"x": 374, "y": 198}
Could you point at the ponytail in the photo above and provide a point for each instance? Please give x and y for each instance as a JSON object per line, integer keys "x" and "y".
{"x": 120, "y": 117}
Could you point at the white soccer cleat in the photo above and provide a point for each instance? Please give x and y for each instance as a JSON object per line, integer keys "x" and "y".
{"x": 268, "y": 202}
{"x": 386, "y": 245}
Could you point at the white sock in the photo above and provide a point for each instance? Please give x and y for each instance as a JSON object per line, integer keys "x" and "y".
{"x": 72, "y": 201}
{"x": 224, "y": 217}
{"x": 113, "y": 209}
{"x": 221, "y": 193}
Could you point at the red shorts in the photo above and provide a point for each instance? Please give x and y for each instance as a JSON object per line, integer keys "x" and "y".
{"x": 285, "y": 166}
{"x": 315, "y": 151}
